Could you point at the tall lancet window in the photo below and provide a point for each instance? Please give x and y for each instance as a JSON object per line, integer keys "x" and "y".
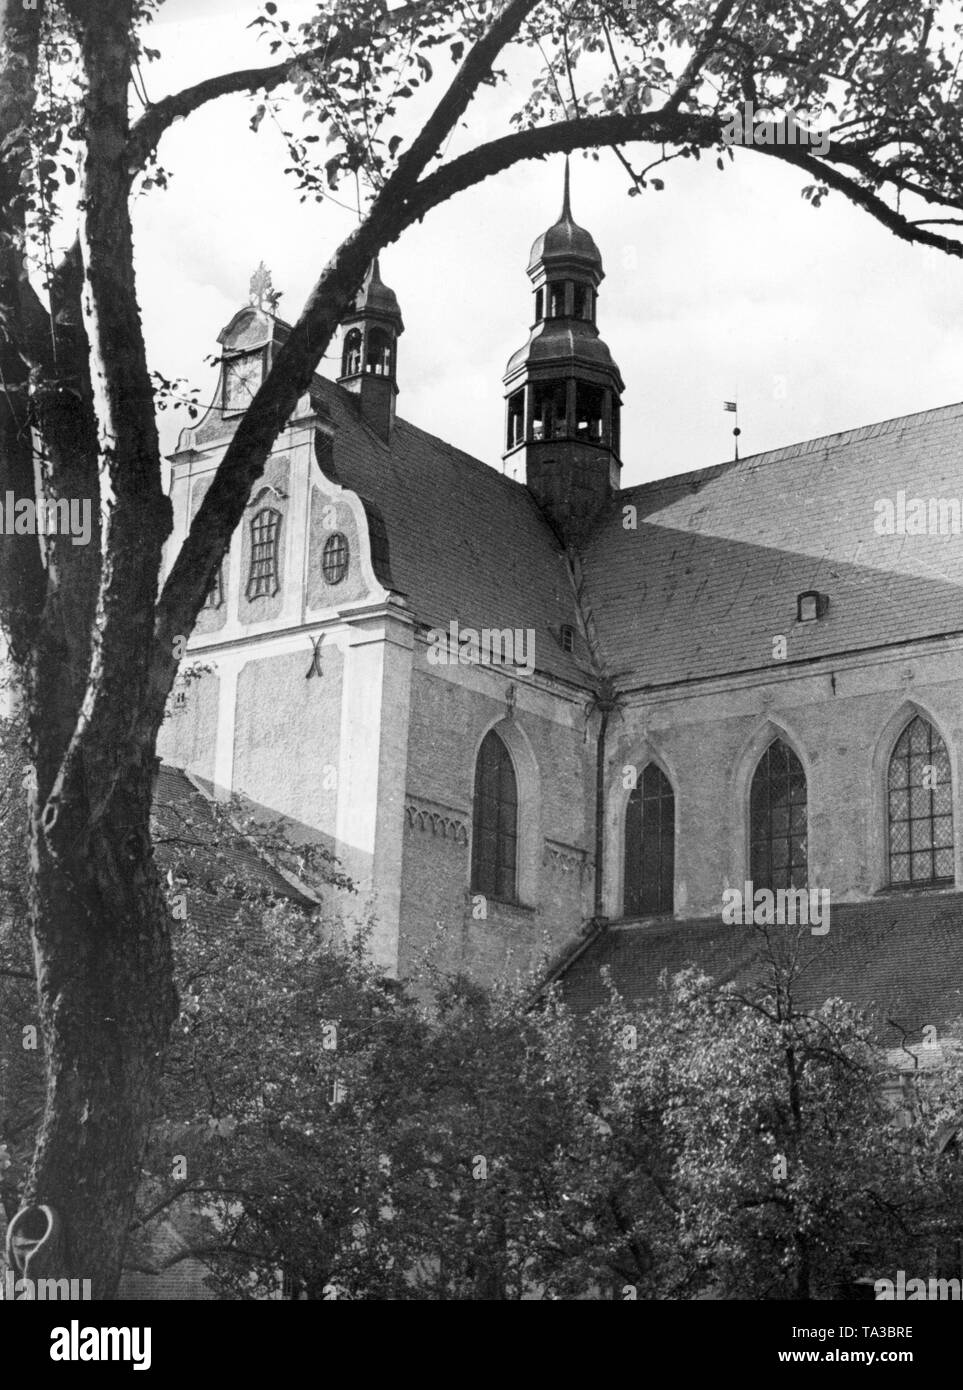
{"x": 778, "y": 851}
{"x": 650, "y": 846}
{"x": 920, "y": 808}
{"x": 494, "y": 850}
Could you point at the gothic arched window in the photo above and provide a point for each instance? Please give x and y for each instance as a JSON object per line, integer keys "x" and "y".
{"x": 650, "y": 846}
{"x": 262, "y": 581}
{"x": 379, "y": 352}
{"x": 920, "y": 808}
{"x": 777, "y": 820}
{"x": 351, "y": 357}
{"x": 494, "y": 850}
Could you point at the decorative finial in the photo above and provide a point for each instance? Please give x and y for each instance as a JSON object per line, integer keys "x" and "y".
{"x": 566, "y": 207}
{"x": 262, "y": 291}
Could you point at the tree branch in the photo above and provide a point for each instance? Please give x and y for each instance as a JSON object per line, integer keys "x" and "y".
{"x": 146, "y": 133}
{"x": 660, "y": 127}
{"x": 703, "y": 51}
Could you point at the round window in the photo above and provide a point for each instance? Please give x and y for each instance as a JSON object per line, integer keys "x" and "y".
{"x": 334, "y": 558}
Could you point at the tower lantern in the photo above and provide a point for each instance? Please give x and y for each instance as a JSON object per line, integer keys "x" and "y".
{"x": 563, "y": 390}
{"x": 369, "y": 354}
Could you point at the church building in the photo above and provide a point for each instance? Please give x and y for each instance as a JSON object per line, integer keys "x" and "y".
{"x": 539, "y": 716}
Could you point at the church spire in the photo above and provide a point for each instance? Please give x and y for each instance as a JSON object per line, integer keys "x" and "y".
{"x": 563, "y": 389}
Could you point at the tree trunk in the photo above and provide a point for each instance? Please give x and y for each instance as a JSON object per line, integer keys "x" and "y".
{"x": 107, "y": 1001}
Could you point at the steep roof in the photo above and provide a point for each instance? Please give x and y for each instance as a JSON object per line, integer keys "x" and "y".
{"x": 900, "y": 958}
{"x": 712, "y": 573}
{"x": 465, "y": 542}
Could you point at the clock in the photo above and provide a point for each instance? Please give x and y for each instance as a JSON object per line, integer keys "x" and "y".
{"x": 242, "y": 378}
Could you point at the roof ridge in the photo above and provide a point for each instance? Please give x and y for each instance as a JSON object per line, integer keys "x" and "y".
{"x": 784, "y": 451}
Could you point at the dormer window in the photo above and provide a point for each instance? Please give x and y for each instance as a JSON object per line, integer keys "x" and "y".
{"x": 811, "y": 606}
{"x": 566, "y": 637}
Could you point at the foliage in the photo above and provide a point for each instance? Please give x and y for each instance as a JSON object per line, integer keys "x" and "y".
{"x": 322, "y": 1133}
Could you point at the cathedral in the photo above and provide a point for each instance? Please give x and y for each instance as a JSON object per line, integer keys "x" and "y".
{"x": 539, "y": 717}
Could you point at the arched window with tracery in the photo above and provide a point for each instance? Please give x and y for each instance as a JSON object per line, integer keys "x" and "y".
{"x": 650, "y": 846}
{"x": 494, "y": 851}
{"x": 920, "y": 808}
{"x": 778, "y": 834}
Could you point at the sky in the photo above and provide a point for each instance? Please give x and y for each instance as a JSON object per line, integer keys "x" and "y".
{"x": 723, "y": 286}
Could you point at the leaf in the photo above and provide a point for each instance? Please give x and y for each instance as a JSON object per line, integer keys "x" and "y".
{"x": 258, "y": 117}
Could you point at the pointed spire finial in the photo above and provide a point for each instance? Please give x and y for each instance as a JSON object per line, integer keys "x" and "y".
{"x": 566, "y": 204}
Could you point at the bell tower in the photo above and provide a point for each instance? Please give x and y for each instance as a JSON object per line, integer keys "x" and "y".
{"x": 563, "y": 390}
{"x": 369, "y": 354}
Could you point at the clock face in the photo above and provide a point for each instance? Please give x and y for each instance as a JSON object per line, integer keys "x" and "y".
{"x": 242, "y": 377}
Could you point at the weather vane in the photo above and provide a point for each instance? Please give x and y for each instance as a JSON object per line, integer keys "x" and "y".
{"x": 262, "y": 292}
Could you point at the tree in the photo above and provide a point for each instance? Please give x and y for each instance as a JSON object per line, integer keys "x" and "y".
{"x": 728, "y": 1142}
{"x": 321, "y": 1132}
{"x": 95, "y": 632}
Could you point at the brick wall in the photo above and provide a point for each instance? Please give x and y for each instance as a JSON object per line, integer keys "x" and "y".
{"x": 451, "y": 710}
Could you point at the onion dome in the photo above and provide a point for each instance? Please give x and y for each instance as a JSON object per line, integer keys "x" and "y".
{"x": 375, "y": 299}
{"x": 566, "y": 242}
